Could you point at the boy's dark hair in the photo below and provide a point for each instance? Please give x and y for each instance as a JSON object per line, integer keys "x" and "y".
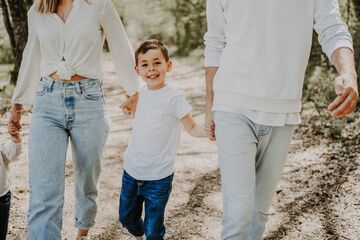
{"x": 151, "y": 44}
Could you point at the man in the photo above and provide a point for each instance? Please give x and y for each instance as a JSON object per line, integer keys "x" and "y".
{"x": 255, "y": 60}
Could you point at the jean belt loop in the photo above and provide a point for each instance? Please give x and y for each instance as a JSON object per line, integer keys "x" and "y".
{"x": 78, "y": 88}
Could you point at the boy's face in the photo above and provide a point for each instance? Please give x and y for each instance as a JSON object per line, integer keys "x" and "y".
{"x": 152, "y": 68}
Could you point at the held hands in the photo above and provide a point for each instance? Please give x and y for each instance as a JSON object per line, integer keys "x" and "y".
{"x": 129, "y": 106}
{"x": 14, "y": 125}
{"x": 347, "y": 96}
{"x": 209, "y": 125}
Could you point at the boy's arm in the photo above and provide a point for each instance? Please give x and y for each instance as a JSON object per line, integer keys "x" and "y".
{"x": 193, "y": 128}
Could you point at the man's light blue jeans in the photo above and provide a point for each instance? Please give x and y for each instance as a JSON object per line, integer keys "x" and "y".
{"x": 65, "y": 111}
{"x": 252, "y": 158}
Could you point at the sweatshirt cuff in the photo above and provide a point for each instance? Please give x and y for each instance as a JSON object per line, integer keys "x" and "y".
{"x": 331, "y": 48}
{"x": 213, "y": 61}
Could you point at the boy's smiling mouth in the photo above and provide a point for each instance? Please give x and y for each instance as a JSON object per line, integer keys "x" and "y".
{"x": 153, "y": 76}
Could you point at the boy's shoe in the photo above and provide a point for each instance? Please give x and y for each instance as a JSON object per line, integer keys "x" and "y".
{"x": 140, "y": 238}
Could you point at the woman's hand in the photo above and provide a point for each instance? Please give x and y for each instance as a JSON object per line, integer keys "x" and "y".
{"x": 129, "y": 106}
{"x": 14, "y": 125}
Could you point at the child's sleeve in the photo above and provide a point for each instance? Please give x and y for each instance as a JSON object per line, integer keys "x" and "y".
{"x": 180, "y": 107}
{"x": 11, "y": 151}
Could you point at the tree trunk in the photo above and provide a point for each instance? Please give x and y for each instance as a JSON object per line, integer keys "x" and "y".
{"x": 15, "y": 19}
{"x": 356, "y": 34}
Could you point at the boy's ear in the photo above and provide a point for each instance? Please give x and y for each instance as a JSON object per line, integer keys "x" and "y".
{"x": 169, "y": 65}
{"x": 136, "y": 69}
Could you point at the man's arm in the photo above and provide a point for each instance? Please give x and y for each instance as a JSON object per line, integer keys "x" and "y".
{"x": 215, "y": 42}
{"x": 336, "y": 42}
{"x": 345, "y": 84}
{"x": 209, "y": 98}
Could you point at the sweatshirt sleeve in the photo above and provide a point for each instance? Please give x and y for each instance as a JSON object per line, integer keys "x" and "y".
{"x": 120, "y": 48}
{"x": 29, "y": 73}
{"x": 214, "y": 38}
{"x": 332, "y": 31}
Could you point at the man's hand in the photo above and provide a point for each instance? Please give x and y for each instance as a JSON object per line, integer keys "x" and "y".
{"x": 129, "y": 106}
{"x": 14, "y": 125}
{"x": 209, "y": 125}
{"x": 347, "y": 96}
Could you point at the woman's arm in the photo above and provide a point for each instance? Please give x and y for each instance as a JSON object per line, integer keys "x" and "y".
{"x": 29, "y": 72}
{"x": 120, "y": 48}
{"x": 28, "y": 78}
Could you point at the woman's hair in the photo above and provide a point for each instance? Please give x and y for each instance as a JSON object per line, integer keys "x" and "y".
{"x": 151, "y": 44}
{"x": 49, "y": 6}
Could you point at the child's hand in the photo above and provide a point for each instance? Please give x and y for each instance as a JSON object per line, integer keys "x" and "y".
{"x": 129, "y": 106}
{"x": 15, "y": 134}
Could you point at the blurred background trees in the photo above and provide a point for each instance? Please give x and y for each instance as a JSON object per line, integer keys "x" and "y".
{"x": 15, "y": 22}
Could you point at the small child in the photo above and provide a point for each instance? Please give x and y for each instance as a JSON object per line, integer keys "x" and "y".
{"x": 9, "y": 152}
{"x": 150, "y": 155}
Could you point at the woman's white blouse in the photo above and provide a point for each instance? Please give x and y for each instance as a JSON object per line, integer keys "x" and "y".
{"x": 74, "y": 47}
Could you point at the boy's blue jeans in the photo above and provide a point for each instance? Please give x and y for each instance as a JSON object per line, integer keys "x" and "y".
{"x": 4, "y": 214}
{"x": 155, "y": 194}
{"x": 65, "y": 111}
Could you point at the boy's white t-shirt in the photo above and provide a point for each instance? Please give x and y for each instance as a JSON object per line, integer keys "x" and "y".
{"x": 9, "y": 152}
{"x": 156, "y": 133}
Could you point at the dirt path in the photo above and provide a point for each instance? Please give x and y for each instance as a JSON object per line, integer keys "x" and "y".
{"x": 318, "y": 197}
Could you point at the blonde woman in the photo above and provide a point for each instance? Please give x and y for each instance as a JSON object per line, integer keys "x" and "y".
{"x": 61, "y": 76}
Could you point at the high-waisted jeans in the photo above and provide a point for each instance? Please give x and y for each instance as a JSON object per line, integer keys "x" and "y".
{"x": 252, "y": 158}
{"x": 65, "y": 111}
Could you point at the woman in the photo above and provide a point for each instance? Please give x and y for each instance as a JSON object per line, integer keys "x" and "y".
{"x": 64, "y": 50}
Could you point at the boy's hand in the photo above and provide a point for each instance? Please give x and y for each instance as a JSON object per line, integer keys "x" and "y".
{"x": 129, "y": 106}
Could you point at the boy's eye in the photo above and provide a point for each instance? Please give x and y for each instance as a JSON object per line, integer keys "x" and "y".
{"x": 144, "y": 65}
{"x": 157, "y": 63}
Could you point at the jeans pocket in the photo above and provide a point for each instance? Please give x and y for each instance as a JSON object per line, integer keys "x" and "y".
{"x": 42, "y": 89}
{"x": 92, "y": 91}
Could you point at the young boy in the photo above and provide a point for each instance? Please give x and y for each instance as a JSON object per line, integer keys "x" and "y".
{"x": 150, "y": 155}
{"x": 9, "y": 152}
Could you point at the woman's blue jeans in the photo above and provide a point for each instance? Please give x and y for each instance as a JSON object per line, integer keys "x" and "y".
{"x": 65, "y": 111}
{"x": 155, "y": 194}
